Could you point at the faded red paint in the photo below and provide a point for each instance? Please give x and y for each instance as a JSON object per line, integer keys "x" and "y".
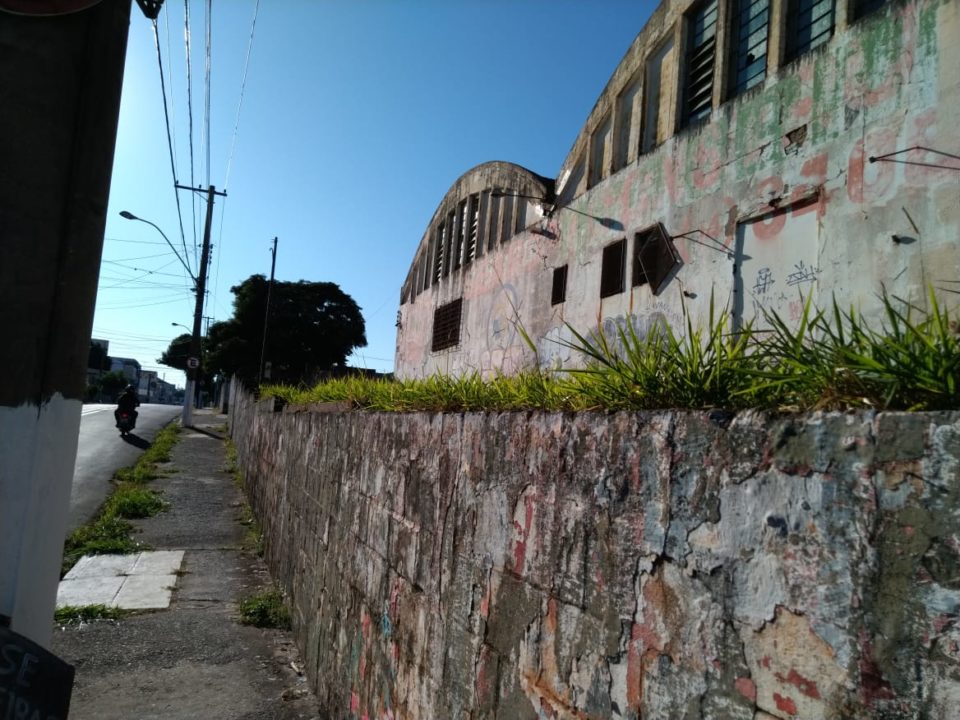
{"x": 746, "y": 687}
{"x": 805, "y": 685}
{"x": 523, "y": 534}
{"x": 765, "y": 661}
{"x": 785, "y": 704}
{"x": 354, "y": 703}
{"x": 816, "y": 167}
{"x": 871, "y": 181}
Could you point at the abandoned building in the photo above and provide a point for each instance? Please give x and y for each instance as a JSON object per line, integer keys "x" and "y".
{"x": 758, "y": 152}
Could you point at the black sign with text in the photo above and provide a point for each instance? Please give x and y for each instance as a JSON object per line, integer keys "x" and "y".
{"x": 34, "y": 683}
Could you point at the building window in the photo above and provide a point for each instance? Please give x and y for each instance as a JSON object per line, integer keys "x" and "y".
{"x": 701, "y": 50}
{"x": 473, "y": 219}
{"x": 655, "y": 258}
{"x": 809, "y": 24}
{"x": 506, "y": 229}
{"x": 598, "y": 155}
{"x": 446, "y": 325}
{"x": 865, "y": 7}
{"x": 459, "y": 234}
{"x": 748, "y": 44}
{"x": 493, "y": 231}
{"x": 611, "y": 273}
{"x": 559, "y": 292}
{"x": 626, "y": 107}
{"x": 439, "y": 256}
{"x": 654, "y": 123}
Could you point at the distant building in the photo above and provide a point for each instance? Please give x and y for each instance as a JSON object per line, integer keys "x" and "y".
{"x": 129, "y": 367}
{"x": 757, "y": 151}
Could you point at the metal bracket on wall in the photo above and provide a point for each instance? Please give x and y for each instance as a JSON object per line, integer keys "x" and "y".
{"x": 889, "y": 158}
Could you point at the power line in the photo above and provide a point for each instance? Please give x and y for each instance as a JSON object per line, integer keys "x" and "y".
{"x": 166, "y": 115}
{"x": 209, "y": 34}
{"x": 243, "y": 85}
{"x": 193, "y": 182}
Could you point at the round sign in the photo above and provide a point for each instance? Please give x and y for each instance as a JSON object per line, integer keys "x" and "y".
{"x": 193, "y": 363}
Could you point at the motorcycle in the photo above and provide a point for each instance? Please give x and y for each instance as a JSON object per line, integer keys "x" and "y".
{"x": 125, "y": 422}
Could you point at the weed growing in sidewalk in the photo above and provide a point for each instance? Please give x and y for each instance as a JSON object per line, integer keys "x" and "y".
{"x": 110, "y": 532}
{"x": 70, "y": 614}
{"x": 266, "y": 609}
{"x": 254, "y": 535}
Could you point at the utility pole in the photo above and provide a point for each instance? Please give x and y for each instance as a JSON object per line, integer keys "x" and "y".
{"x": 266, "y": 317}
{"x": 194, "y": 364}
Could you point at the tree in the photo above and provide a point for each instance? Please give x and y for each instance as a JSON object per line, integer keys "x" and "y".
{"x": 176, "y": 354}
{"x": 313, "y": 327}
{"x": 112, "y": 383}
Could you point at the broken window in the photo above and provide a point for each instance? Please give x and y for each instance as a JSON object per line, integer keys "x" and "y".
{"x": 559, "y": 291}
{"x": 748, "y": 44}
{"x": 598, "y": 144}
{"x": 655, "y": 258}
{"x": 701, "y": 50}
{"x": 446, "y": 325}
{"x": 448, "y": 257}
{"x": 626, "y": 104}
{"x": 654, "y": 120}
{"x": 809, "y": 24}
{"x": 611, "y": 272}
{"x": 441, "y": 238}
{"x": 459, "y": 234}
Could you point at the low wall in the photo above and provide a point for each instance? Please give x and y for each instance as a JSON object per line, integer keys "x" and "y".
{"x": 621, "y": 565}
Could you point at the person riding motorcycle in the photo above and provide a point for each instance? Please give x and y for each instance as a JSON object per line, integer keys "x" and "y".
{"x": 127, "y": 403}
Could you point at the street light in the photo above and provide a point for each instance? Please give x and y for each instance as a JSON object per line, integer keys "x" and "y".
{"x": 127, "y": 215}
{"x": 180, "y": 325}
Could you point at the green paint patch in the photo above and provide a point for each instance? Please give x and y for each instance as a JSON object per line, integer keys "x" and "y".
{"x": 266, "y": 609}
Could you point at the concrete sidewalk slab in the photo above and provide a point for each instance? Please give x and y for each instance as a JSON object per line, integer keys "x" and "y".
{"x": 144, "y": 581}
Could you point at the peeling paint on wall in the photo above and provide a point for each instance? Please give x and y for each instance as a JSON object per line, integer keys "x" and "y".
{"x": 615, "y": 565}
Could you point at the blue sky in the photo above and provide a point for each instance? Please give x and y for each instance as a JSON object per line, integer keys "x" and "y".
{"x": 357, "y": 116}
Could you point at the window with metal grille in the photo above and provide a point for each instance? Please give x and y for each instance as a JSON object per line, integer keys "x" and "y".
{"x": 473, "y": 218}
{"x": 865, "y": 7}
{"x": 750, "y": 28}
{"x": 446, "y": 325}
{"x": 559, "y": 292}
{"x": 655, "y": 258}
{"x": 611, "y": 271}
{"x": 701, "y": 51}
{"x": 809, "y": 24}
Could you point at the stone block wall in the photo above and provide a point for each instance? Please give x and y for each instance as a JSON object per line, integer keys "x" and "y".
{"x": 614, "y": 565}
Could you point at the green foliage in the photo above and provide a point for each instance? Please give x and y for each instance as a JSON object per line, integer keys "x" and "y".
{"x": 829, "y": 360}
{"x": 112, "y": 383}
{"x": 70, "y": 614}
{"x": 313, "y": 327}
{"x": 265, "y": 610}
{"x": 133, "y": 501}
{"x": 177, "y": 352}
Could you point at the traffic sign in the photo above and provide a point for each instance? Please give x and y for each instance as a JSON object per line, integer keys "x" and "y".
{"x": 193, "y": 363}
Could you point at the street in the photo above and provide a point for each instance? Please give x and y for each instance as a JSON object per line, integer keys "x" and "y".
{"x": 101, "y": 451}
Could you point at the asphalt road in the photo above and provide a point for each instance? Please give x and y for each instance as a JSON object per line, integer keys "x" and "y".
{"x": 101, "y": 451}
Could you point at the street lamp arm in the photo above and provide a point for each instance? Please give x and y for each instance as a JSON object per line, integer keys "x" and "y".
{"x": 126, "y": 214}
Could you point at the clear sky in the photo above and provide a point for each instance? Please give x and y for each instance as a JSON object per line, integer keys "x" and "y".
{"x": 356, "y": 118}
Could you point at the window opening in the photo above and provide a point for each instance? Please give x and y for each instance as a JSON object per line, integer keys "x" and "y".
{"x": 446, "y": 325}
{"x": 809, "y": 24}
{"x": 438, "y": 264}
{"x": 460, "y": 234}
{"x": 625, "y": 108}
{"x": 520, "y": 222}
{"x": 653, "y": 124}
{"x": 494, "y": 225}
{"x": 701, "y": 50}
{"x": 473, "y": 216}
{"x": 655, "y": 258}
{"x": 865, "y": 7}
{"x": 598, "y": 154}
{"x": 611, "y": 272}
{"x": 748, "y": 44}
{"x": 425, "y": 271}
{"x": 559, "y": 292}
{"x": 507, "y": 205}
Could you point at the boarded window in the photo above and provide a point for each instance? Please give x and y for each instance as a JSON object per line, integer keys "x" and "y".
{"x": 626, "y": 107}
{"x": 559, "y": 292}
{"x": 654, "y": 121}
{"x": 655, "y": 258}
{"x": 748, "y": 44}
{"x": 611, "y": 272}
{"x": 809, "y": 24}
{"x": 446, "y": 325}
{"x": 598, "y": 156}
{"x": 701, "y": 51}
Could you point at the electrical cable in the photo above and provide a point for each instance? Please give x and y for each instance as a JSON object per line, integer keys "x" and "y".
{"x": 209, "y": 38}
{"x": 166, "y": 115}
{"x": 243, "y": 85}
{"x": 186, "y": 43}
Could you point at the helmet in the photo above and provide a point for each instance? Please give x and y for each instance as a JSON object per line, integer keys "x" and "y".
{"x": 131, "y": 388}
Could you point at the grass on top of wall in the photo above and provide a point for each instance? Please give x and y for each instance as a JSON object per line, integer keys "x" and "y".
{"x": 830, "y": 359}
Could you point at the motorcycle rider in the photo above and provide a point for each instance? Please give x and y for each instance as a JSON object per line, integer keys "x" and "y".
{"x": 127, "y": 403}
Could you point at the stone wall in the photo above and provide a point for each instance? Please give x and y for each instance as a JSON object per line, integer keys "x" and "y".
{"x": 614, "y": 565}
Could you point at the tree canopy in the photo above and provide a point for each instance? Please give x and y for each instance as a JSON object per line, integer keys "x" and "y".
{"x": 313, "y": 327}
{"x": 176, "y": 355}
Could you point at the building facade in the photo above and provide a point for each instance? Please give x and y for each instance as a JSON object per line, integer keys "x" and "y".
{"x": 758, "y": 152}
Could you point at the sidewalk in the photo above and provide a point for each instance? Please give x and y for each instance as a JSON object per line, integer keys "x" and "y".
{"x": 192, "y": 660}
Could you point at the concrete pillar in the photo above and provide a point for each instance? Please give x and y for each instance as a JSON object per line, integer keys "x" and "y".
{"x": 59, "y": 104}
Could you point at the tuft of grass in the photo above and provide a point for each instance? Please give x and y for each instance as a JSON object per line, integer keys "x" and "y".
{"x": 133, "y": 501}
{"x": 266, "y": 609}
{"x": 829, "y": 359}
{"x": 70, "y": 614}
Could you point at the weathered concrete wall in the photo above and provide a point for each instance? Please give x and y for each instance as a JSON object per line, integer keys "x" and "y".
{"x": 625, "y": 565}
{"x": 770, "y": 201}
